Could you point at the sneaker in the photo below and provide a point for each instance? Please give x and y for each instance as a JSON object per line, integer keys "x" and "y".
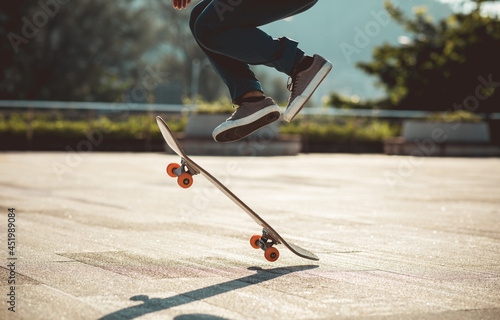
{"x": 303, "y": 84}
{"x": 248, "y": 117}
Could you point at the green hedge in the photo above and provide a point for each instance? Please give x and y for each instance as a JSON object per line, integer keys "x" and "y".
{"x": 455, "y": 116}
{"x": 341, "y": 130}
{"x": 55, "y": 129}
{"x": 133, "y": 127}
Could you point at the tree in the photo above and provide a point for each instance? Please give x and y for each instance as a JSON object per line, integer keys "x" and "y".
{"x": 72, "y": 50}
{"x": 449, "y": 65}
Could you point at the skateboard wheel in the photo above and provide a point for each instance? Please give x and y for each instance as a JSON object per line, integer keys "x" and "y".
{"x": 272, "y": 254}
{"x": 254, "y": 241}
{"x": 171, "y": 169}
{"x": 185, "y": 180}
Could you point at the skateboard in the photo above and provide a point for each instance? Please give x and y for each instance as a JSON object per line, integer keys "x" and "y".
{"x": 184, "y": 173}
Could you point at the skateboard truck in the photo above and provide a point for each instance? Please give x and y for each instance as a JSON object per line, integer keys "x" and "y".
{"x": 266, "y": 243}
{"x": 184, "y": 173}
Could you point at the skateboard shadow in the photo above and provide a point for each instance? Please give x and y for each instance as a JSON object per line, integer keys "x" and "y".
{"x": 151, "y": 305}
{"x": 198, "y": 317}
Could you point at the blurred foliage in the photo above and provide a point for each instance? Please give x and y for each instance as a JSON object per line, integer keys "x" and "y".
{"x": 443, "y": 65}
{"x": 316, "y": 129}
{"x": 222, "y": 105}
{"x": 345, "y": 130}
{"x": 343, "y": 102}
{"x": 456, "y": 116}
{"x": 76, "y": 51}
{"x": 135, "y": 127}
{"x": 100, "y": 50}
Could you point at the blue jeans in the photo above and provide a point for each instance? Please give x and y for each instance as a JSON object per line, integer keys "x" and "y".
{"x": 227, "y": 31}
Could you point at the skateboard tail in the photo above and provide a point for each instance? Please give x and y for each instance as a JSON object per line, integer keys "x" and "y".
{"x": 301, "y": 252}
{"x": 169, "y": 137}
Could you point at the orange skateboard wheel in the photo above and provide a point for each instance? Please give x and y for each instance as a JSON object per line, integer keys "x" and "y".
{"x": 185, "y": 180}
{"x": 254, "y": 241}
{"x": 171, "y": 169}
{"x": 272, "y": 254}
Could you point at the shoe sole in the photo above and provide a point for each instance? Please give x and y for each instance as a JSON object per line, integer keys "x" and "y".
{"x": 300, "y": 101}
{"x": 233, "y": 131}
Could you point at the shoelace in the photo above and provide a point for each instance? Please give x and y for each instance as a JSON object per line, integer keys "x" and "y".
{"x": 235, "y": 108}
{"x": 291, "y": 82}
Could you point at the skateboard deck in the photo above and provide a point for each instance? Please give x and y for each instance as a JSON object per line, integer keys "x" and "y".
{"x": 184, "y": 173}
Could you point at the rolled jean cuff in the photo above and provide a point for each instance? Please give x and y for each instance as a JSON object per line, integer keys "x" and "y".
{"x": 291, "y": 56}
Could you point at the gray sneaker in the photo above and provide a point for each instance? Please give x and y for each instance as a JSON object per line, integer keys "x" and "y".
{"x": 303, "y": 84}
{"x": 248, "y": 117}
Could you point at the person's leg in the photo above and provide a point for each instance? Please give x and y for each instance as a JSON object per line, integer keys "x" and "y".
{"x": 227, "y": 32}
{"x": 232, "y": 30}
{"x": 255, "y": 110}
{"x": 229, "y": 28}
{"x": 237, "y": 75}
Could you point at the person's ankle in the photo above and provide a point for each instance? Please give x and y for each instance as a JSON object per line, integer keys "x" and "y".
{"x": 305, "y": 63}
{"x": 252, "y": 96}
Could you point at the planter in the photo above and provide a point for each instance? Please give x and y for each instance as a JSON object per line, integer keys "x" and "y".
{"x": 455, "y": 139}
{"x": 446, "y": 132}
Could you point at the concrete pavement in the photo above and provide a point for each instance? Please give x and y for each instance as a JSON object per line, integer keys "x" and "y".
{"x": 111, "y": 236}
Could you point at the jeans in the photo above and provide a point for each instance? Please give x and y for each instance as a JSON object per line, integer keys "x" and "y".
{"x": 227, "y": 31}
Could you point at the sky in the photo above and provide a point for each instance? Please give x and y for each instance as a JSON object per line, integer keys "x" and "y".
{"x": 488, "y": 8}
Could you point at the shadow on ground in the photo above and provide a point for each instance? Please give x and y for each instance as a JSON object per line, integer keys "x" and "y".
{"x": 198, "y": 317}
{"x": 151, "y": 305}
